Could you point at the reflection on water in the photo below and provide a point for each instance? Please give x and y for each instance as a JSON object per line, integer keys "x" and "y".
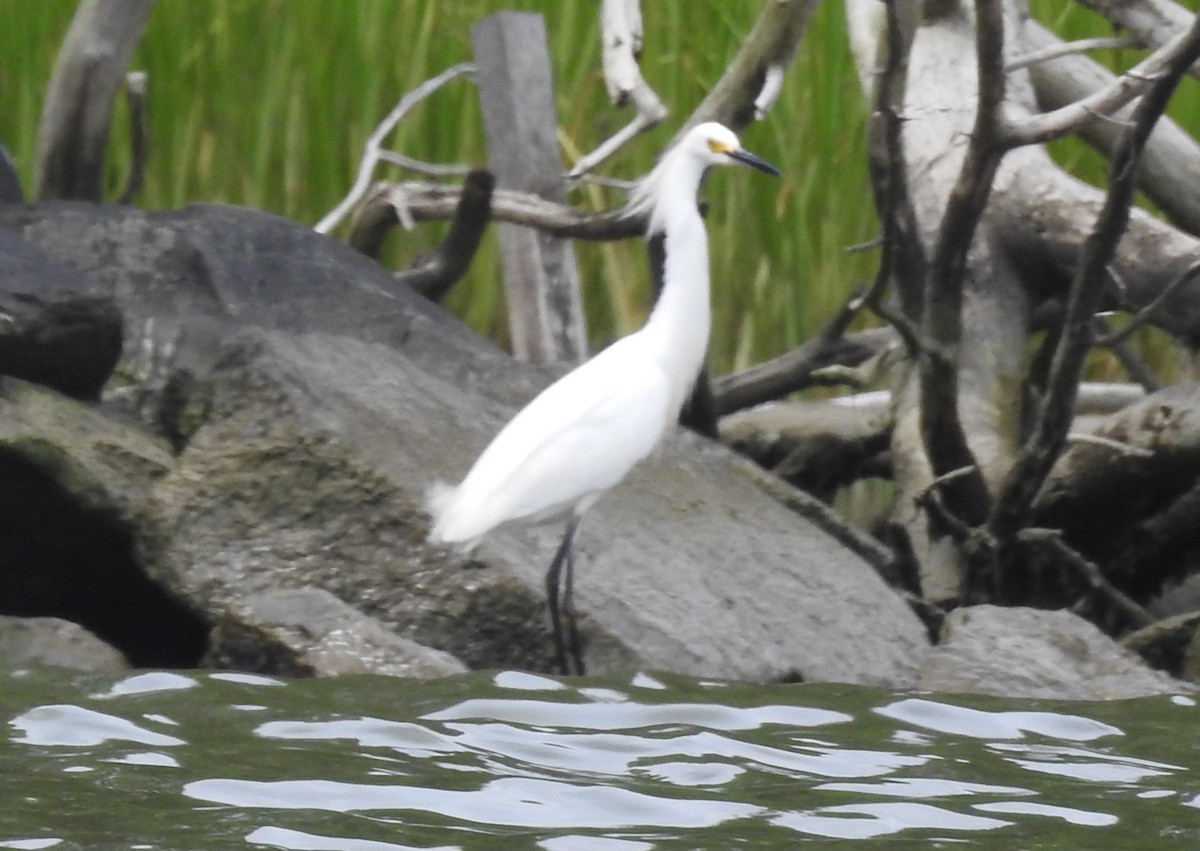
{"x": 168, "y": 760}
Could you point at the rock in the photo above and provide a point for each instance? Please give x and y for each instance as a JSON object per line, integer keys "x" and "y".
{"x": 56, "y": 331}
{"x": 309, "y": 632}
{"x": 1177, "y": 599}
{"x": 51, "y": 641}
{"x": 310, "y": 465}
{"x": 169, "y": 268}
{"x": 73, "y": 483}
{"x": 1166, "y": 644}
{"x": 312, "y": 403}
{"x": 1032, "y": 653}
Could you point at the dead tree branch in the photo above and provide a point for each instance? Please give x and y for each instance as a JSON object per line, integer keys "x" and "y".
{"x": 737, "y": 98}
{"x": 1048, "y": 435}
{"x": 90, "y": 70}
{"x": 1051, "y": 541}
{"x": 1169, "y": 170}
{"x": 135, "y": 90}
{"x": 419, "y": 202}
{"x": 373, "y": 149}
{"x": 1071, "y": 48}
{"x": 902, "y": 259}
{"x": 942, "y": 431}
{"x": 433, "y": 276}
{"x": 797, "y": 369}
{"x": 621, "y": 37}
{"x": 1153, "y": 22}
{"x": 1105, "y": 102}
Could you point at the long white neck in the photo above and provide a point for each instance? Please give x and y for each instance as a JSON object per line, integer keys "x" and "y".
{"x": 678, "y": 328}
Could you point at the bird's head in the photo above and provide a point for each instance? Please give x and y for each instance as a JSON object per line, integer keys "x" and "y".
{"x": 716, "y": 144}
{"x": 705, "y": 145}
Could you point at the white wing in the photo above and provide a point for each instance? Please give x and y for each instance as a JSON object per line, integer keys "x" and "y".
{"x": 578, "y": 438}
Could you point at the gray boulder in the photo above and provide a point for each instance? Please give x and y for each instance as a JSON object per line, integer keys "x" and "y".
{"x": 308, "y": 632}
{"x": 73, "y": 483}
{"x": 311, "y": 403}
{"x": 309, "y": 467}
{"x": 1022, "y": 652}
{"x": 55, "y": 642}
{"x": 56, "y": 330}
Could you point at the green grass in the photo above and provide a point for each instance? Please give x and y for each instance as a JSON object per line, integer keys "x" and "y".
{"x": 266, "y": 103}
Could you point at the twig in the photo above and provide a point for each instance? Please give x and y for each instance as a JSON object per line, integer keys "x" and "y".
{"x": 135, "y": 91}
{"x": 903, "y": 258}
{"x": 930, "y": 498}
{"x": 796, "y": 369}
{"x": 1071, "y": 48}
{"x": 422, "y": 167}
{"x": 1134, "y": 82}
{"x": 436, "y": 202}
{"x": 1109, "y": 443}
{"x": 1133, "y": 363}
{"x": 1051, "y": 539}
{"x": 641, "y": 122}
{"x": 374, "y": 144}
{"x": 771, "y": 43}
{"x": 861, "y": 247}
{"x": 1152, "y": 21}
{"x": 621, "y": 37}
{"x": 1143, "y": 316}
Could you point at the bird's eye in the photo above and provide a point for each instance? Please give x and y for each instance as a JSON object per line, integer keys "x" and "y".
{"x": 719, "y": 147}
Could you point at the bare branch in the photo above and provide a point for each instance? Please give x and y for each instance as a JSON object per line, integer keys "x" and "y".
{"x": 941, "y": 329}
{"x": 1169, "y": 170}
{"x": 1143, "y": 316}
{"x": 433, "y": 278}
{"x": 1153, "y": 22}
{"x": 422, "y": 167}
{"x": 1131, "y": 84}
{"x": 903, "y": 257}
{"x": 1114, "y": 445}
{"x": 621, "y": 36}
{"x": 797, "y": 369}
{"x": 436, "y": 202}
{"x": 1070, "y": 48}
{"x": 91, "y": 65}
{"x": 771, "y": 43}
{"x": 374, "y": 145}
{"x": 1052, "y": 541}
{"x": 135, "y": 90}
{"x": 644, "y": 120}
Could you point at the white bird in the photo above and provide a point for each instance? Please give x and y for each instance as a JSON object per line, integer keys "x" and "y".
{"x": 584, "y": 432}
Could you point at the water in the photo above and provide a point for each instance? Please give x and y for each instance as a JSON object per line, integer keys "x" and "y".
{"x": 203, "y": 760}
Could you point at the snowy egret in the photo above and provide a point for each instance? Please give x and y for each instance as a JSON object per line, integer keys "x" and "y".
{"x": 584, "y": 432}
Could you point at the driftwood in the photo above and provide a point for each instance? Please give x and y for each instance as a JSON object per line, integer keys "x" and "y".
{"x": 819, "y": 447}
{"x": 1170, "y": 167}
{"x": 621, "y": 40}
{"x": 433, "y": 275}
{"x": 1004, "y": 231}
{"x": 77, "y": 113}
{"x": 541, "y": 280}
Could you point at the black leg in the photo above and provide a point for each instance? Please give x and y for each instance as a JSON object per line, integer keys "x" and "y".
{"x": 552, "y": 595}
{"x": 568, "y": 611}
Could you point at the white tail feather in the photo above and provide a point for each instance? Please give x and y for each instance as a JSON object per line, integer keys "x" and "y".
{"x": 438, "y": 501}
